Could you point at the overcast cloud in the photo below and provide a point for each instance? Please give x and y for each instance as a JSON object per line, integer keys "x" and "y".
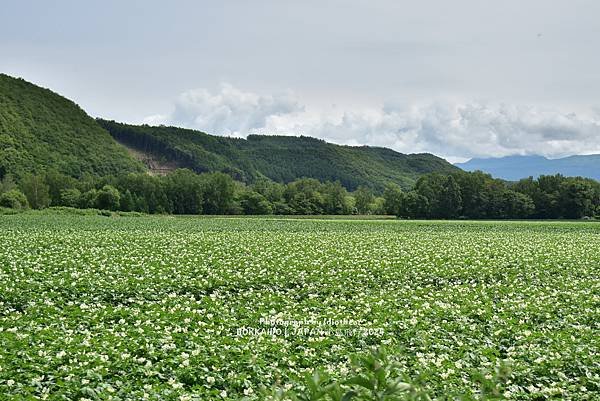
{"x": 228, "y": 112}
{"x": 454, "y": 129}
{"x": 456, "y": 78}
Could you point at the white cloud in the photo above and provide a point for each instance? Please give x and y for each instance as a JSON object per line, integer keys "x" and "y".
{"x": 230, "y": 111}
{"x": 448, "y": 128}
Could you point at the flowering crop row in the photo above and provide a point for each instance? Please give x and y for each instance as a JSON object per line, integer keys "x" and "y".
{"x": 162, "y": 308}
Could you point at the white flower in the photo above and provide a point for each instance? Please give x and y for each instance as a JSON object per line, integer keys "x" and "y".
{"x": 174, "y": 383}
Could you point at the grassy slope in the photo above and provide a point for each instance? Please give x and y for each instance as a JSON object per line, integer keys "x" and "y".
{"x": 40, "y": 129}
{"x": 280, "y": 158}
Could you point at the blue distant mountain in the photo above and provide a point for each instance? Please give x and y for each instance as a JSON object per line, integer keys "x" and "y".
{"x": 513, "y": 168}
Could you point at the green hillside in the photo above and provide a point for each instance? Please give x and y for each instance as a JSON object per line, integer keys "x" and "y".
{"x": 40, "y": 129}
{"x": 280, "y": 158}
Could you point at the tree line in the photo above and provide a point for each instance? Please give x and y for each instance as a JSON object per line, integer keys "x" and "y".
{"x": 179, "y": 192}
{"x": 465, "y": 195}
{"x": 476, "y": 195}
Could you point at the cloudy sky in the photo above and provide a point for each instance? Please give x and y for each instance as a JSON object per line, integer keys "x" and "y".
{"x": 460, "y": 79}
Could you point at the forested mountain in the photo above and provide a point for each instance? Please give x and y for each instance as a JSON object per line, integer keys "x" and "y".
{"x": 41, "y": 130}
{"x": 279, "y": 158}
{"x": 513, "y": 168}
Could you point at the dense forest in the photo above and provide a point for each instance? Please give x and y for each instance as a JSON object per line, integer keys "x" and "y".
{"x": 441, "y": 196}
{"x": 278, "y": 158}
{"x": 40, "y": 129}
{"x": 476, "y": 195}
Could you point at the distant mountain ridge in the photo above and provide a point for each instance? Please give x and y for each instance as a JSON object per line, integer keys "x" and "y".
{"x": 513, "y": 168}
{"x": 279, "y": 158}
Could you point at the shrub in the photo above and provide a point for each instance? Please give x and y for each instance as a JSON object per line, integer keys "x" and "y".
{"x": 88, "y": 199}
{"x": 254, "y": 203}
{"x": 14, "y": 199}
{"x": 70, "y": 197}
{"x": 108, "y": 198}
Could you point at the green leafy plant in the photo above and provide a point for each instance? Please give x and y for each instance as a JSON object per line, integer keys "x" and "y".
{"x": 376, "y": 377}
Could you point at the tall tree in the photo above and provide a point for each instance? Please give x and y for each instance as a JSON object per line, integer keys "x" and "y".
{"x": 393, "y": 199}
{"x": 255, "y": 203}
{"x": 516, "y": 205}
{"x": 304, "y": 196}
{"x": 184, "y": 190}
{"x": 414, "y": 205}
{"x": 577, "y": 198}
{"x": 7, "y": 183}
{"x": 36, "y": 191}
{"x": 335, "y": 198}
{"x": 450, "y": 200}
{"x": 218, "y": 191}
{"x": 57, "y": 183}
{"x": 363, "y": 200}
{"x": 70, "y": 197}
{"x": 127, "y": 202}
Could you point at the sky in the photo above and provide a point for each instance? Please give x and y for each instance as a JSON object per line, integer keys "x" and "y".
{"x": 460, "y": 79}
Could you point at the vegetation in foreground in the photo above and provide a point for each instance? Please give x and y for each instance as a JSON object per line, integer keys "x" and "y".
{"x": 163, "y": 308}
